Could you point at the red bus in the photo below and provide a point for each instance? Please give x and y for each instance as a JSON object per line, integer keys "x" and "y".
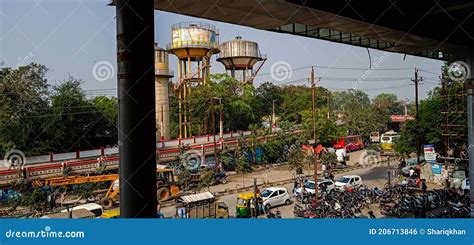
{"x": 350, "y": 143}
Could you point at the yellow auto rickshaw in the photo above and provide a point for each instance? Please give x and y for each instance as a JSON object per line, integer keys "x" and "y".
{"x": 111, "y": 214}
{"x": 242, "y": 207}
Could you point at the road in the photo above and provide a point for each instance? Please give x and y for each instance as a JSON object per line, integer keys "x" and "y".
{"x": 371, "y": 176}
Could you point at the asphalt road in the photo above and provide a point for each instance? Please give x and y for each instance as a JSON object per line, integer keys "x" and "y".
{"x": 371, "y": 176}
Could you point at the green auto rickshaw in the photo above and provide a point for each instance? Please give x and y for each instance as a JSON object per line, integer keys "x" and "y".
{"x": 242, "y": 207}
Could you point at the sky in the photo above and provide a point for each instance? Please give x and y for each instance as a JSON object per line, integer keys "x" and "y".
{"x": 77, "y": 38}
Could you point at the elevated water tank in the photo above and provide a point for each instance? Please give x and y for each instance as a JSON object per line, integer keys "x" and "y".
{"x": 194, "y": 40}
{"x": 240, "y": 55}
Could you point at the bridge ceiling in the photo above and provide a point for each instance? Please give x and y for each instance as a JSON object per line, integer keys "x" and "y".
{"x": 441, "y": 29}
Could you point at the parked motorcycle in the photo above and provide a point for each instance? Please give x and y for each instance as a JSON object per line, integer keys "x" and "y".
{"x": 221, "y": 178}
{"x": 276, "y": 215}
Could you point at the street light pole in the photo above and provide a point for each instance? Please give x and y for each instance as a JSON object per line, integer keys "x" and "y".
{"x": 221, "y": 122}
{"x": 216, "y": 161}
{"x": 315, "y": 157}
{"x": 273, "y": 113}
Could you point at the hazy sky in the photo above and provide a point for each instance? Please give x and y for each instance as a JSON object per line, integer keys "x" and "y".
{"x": 70, "y": 37}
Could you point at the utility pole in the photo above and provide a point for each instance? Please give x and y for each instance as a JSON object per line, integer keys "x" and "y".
{"x": 221, "y": 122}
{"x": 313, "y": 112}
{"x": 329, "y": 110}
{"x": 255, "y": 204}
{"x": 273, "y": 113}
{"x": 216, "y": 162}
{"x": 417, "y": 117}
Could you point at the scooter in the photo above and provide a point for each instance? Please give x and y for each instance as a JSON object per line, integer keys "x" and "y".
{"x": 221, "y": 178}
{"x": 276, "y": 215}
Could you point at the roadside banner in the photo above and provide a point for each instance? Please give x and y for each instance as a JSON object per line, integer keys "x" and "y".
{"x": 436, "y": 168}
{"x": 430, "y": 153}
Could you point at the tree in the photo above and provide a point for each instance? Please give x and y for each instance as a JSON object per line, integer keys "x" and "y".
{"x": 208, "y": 178}
{"x": 182, "y": 171}
{"x": 73, "y": 120}
{"x": 106, "y": 129}
{"x": 273, "y": 150}
{"x": 242, "y": 164}
{"x": 427, "y": 128}
{"x": 357, "y": 112}
{"x": 326, "y": 128}
{"x": 296, "y": 158}
{"x": 265, "y": 94}
{"x": 23, "y": 104}
{"x": 388, "y": 103}
{"x": 237, "y": 103}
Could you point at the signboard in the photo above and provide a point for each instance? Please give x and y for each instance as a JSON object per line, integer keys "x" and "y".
{"x": 430, "y": 153}
{"x": 436, "y": 168}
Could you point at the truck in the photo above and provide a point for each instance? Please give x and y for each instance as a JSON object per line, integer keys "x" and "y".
{"x": 201, "y": 206}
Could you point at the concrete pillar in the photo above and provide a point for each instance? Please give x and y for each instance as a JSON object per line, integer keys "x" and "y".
{"x": 470, "y": 123}
{"x": 135, "y": 62}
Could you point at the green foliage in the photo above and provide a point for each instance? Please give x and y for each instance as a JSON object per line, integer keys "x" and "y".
{"x": 428, "y": 128}
{"x": 208, "y": 178}
{"x": 328, "y": 158}
{"x": 37, "y": 119}
{"x": 23, "y": 102}
{"x": 182, "y": 172}
{"x": 273, "y": 150}
{"x": 35, "y": 199}
{"x": 358, "y": 114}
{"x": 221, "y": 92}
{"x": 326, "y": 128}
{"x": 388, "y": 103}
{"x": 296, "y": 158}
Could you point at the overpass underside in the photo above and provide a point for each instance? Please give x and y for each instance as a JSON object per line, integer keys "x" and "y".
{"x": 439, "y": 30}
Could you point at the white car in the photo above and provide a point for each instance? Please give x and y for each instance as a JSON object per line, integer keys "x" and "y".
{"x": 96, "y": 209}
{"x": 275, "y": 196}
{"x": 348, "y": 181}
{"x": 309, "y": 186}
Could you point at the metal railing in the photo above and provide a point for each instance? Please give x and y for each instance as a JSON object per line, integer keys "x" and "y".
{"x": 113, "y": 150}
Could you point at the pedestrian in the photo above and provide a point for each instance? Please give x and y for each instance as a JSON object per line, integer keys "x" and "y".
{"x": 295, "y": 187}
{"x": 341, "y": 156}
{"x": 402, "y": 163}
{"x": 412, "y": 173}
{"x": 423, "y": 186}
{"x": 252, "y": 208}
{"x": 159, "y": 214}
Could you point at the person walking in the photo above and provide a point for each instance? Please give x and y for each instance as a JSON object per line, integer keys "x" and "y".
{"x": 423, "y": 186}
{"x": 159, "y": 214}
{"x": 295, "y": 187}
